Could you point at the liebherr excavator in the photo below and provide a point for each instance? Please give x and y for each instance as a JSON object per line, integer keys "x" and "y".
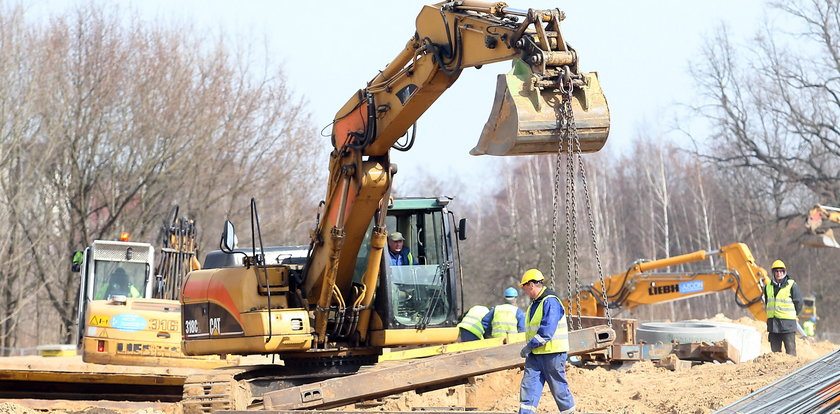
{"x": 642, "y": 284}
{"x": 330, "y": 309}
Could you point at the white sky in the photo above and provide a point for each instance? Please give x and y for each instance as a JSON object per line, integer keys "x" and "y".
{"x": 330, "y": 49}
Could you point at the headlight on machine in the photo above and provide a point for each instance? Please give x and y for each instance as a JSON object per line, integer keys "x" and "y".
{"x": 297, "y": 324}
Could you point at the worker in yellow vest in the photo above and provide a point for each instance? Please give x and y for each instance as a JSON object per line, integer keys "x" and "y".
{"x": 470, "y": 328}
{"x": 810, "y": 327}
{"x": 504, "y": 319}
{"x": 783, "y": 302}
{"x": 546, "y": 347}
{"x": 118, "y": 284}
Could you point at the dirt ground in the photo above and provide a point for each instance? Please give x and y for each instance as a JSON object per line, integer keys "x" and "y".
{"x": 641, "y": 388}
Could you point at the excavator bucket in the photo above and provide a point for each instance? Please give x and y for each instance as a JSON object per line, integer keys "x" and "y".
{"x": 525, "y": 120}
{"x": 825, "y": 239}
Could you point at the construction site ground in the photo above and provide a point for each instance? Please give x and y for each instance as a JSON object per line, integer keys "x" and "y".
{"x": 639, "y": 388}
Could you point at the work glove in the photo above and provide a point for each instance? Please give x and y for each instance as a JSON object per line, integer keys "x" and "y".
{"x": 525, "y": 351}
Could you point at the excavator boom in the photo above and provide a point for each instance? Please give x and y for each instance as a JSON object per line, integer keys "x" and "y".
{"x": 450, "y": 36}
{"x": 544, "y": 95}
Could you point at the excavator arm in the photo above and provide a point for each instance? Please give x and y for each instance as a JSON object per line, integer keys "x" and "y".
{"x": 456, "y": 35}
{"x": 642, "y": 284}
{"x": 817, "y": 222}
{"x": 530, "y": 112}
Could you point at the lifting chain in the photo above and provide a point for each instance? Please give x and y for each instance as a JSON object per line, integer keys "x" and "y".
{"x": 569, "y": 136}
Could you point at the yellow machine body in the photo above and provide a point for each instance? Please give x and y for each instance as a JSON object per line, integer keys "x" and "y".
{"x": 641, "y": 284}
{"x": 145, "y": 332}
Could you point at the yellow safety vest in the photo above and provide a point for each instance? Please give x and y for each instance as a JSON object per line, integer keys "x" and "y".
{"x": 103, "y": 292}
{"x": 559, "y": 342}
{"x": 472, "y": 320}
{"x": 808, "y": 327}
{"x": 781, "y": 306}
{"x": 504, "y": 320}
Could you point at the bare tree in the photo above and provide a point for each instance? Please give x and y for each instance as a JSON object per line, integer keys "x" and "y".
{"x": 125, "y": 120}
{"x": 775, "y": 104}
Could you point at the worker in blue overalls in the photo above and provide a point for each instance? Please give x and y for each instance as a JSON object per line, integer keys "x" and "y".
{"x": 546, "y": 347}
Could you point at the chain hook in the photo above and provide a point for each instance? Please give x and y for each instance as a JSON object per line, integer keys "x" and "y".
{"x": 565, "y": 81}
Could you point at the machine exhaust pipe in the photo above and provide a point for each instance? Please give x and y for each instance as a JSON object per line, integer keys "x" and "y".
{"x": 526, "y": 120}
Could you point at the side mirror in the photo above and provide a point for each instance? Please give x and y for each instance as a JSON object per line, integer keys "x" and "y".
{"x": 228, "y": 242}
{"x": 462, "y": 229}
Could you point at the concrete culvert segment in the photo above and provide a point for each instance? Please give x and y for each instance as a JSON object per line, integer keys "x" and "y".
{"x": 682, "y": 332}
{"x": 744, "y": 338}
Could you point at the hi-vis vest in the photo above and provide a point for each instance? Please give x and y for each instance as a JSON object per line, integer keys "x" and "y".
{"x": 132, "y": 292}
{"x": 781, "y": 306}
{"x": 472, "y": 320}
{"x": 504, "y": 320}
{"x": 809, "y": 328}
{"x": 559, "y": 342}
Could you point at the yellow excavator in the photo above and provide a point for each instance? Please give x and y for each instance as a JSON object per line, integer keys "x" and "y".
{"x": 644, "y": 284}
{"x": 304, "y": 310}
{"x": 342, "y": 303}
{"x": 817, "y": 222}
{"x": 129, "y": 313}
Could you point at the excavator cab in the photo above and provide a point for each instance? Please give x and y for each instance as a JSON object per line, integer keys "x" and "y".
{"x": 423, "y": 292}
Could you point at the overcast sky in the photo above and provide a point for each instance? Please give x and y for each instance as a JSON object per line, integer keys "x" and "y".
{"x": 330, "y": 49}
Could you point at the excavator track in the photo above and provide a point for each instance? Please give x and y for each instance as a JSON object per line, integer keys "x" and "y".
{"x": 240, "y": 388}
{"x": 215, "y": 392}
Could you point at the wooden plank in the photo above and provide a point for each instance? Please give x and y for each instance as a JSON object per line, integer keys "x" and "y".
{"x": 428, "y": 372}
{"x": 720, "y": 351}
{"x": 72, "y": 369}
{"x": 86, "y": 405}
{"x": 450, "y": 348}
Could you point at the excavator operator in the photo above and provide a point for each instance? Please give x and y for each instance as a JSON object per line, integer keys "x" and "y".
{"x": 118, "y": 284}
{"x": 398, "y": 252}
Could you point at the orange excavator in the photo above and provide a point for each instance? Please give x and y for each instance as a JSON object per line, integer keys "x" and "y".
{"x": 643, "y": 283}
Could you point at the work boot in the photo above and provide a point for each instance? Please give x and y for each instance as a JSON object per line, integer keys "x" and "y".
{"x": 569, "y": 411}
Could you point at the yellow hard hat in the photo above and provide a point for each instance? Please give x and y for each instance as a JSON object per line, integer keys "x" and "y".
{"x": 778, "y": 264}
{"x": 531, "y": 275}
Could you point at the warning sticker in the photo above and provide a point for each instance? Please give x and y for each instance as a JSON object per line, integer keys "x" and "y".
{"x": 97, "y": 320}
